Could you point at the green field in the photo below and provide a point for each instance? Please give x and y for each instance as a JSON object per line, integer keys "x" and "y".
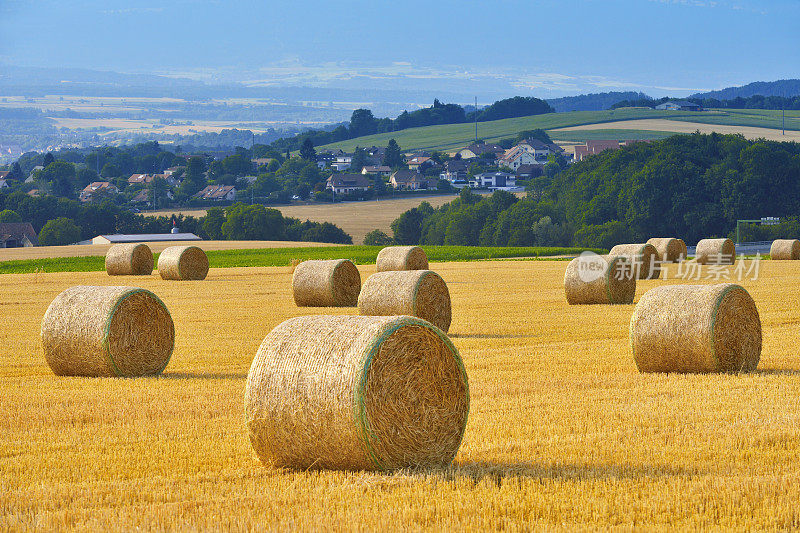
{"x": 759, "y": 118}
{"x": 620, "y": 135}
{"x": 262, "y": 257}
{"x": 452, "y": 136}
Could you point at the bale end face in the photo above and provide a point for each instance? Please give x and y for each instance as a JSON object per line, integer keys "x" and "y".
{"x": 785, "y": 250}
{"x": 326, "y": 283}
{"x": 594, "y": 279}
{"x": 696, "y": 329}
{"x": 356, "y": 393}
{"x": 107, "y": 331}
{"x": 129, "y": 259}
{"x": 420, "y": 293}
{"x": 644, "y": 257}
{"x": 183, "y": 263}
{"x": 715, "y": 252}
{"x": 669, "y": 250}
{"x": 401, "y": 258}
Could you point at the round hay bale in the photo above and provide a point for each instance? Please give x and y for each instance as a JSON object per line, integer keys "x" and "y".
{"x": 696, "y": 328}
{"x": 401, "y": 258}
{"x": 107, "y": 331}
{"x": 785, "y": 249}
{"x": 644, "y": 257}
{"x": 420, "y": 293}
{"x": 669, "y": 250}
{"x": 599, "y": 280}
{"x": 356, "y": 393}
{"x": 183, "y": 263}
{"x": 326, "y": 283}
{"x": 129, "y": 259}
{"x": 715, "y": 252}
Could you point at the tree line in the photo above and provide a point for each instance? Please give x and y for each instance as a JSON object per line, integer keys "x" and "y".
{"x": 751, "y": 102}
{"x": 687, "y": 186}
{"x": 362, "y": 122}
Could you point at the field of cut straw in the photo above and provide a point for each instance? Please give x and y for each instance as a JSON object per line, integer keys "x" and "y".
{"x": 563, "y": 431}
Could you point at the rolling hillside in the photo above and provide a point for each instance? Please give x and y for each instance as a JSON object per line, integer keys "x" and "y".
{"x": 753, "y": 123}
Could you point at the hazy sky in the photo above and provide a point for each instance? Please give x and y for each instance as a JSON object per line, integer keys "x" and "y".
{"x": 545, "y": 47}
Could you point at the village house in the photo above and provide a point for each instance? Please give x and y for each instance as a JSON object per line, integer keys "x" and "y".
{"x": 144, "y": 197}
{"x": 679, "y": 106}
{"x": 97, "y": 190}
{"x": 419, "y": 162}
{"x": 493, "y": 180}
{"x": 381, "y": 170}
{"x": 525, "y": 172}
{"x": 17, "y": 235}
{"x": 454, "y": 170}
{"x": 411, "y": 180}
{"x": 594, "y": 147}
{"x": 140, "y": 179}
{"x": 347, "y": 183}
{"x": 218, "y": 193}
{"x": 477, "y": 150}
{"x": 516, "y": 157}
{"x": 342, "y": 162}
{"x": 35, "y": 170}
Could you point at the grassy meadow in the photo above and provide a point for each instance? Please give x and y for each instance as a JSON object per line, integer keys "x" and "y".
{"x": 563, "y": 431}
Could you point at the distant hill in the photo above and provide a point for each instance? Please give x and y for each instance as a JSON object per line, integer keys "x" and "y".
{"x": 785, "y": 88}
{"x": 593, "y": 102}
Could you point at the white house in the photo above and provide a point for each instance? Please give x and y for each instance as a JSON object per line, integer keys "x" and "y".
{"x": 219, "y": 193}
{"x": 493, "y": 180}
{"x": 515, "y": 158}
{"x": 342, "y": 162}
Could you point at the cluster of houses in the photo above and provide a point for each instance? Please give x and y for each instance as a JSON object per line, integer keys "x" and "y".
{"x": 524, "y": 160}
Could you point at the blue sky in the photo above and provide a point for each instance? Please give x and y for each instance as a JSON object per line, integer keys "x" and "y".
{"x": 544, "y": 47}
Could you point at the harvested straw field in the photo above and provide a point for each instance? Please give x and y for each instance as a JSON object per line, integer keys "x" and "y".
{"x": 563, "y": 431}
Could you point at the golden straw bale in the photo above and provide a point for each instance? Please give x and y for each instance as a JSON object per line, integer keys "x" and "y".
{"x": 786, "y": 249}
{"x": 715, "y": 252}
{"x": 696, "y": 328}
{"x": 669, "y": 250}
{"x": 420, "y": 293}
{"x": 129, "y": 259}
{"x": 644, "y": 257}
{"x": 326, "y": 283}
{"x": 183, "y": 263}
{"x": 107, "y": 331}
{"x": 596, "y": 279}
{"x": 356, "y": 393}
{"x": 401, "y": 258}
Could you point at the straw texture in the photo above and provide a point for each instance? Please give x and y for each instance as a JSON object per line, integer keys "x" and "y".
{"x": 183, "y": 263}
{"x": 785, "y": 249}
{"x": 401, "y": 258}
{"x": 696, "y": 328}
{"x": 420, "y": 293}
{"x": 107, "y": 331}
{"x": 356, "y": 393}
{"x": 616, "y": 285}
{"x": 129, "y": 259}
{"x": 715, "y": 252}
{"x": 326, "y": 283}
{"x": 644, "y": 258}
{"x": 669, "y": 250}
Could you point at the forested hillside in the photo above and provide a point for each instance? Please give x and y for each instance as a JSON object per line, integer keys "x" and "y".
{"x": 690, "y": 186}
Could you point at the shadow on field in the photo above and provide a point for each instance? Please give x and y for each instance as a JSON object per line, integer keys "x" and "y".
{"x": 488, "y": 336}
{"x": 199, "y": 375}
{"x": 498, "y": 471}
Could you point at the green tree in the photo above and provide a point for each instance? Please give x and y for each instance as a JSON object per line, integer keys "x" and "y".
{"x": 194, "y": 179}
{"x": 60, "y": 178}
{"x": 307, "y": 151}
{"x": 362, "y": 123}
{"x": 359, "y": 160}
{"x": 253, "y": 223}
{"x": 59, "y": 231}
{"x": 393, "y": 157}
{"x": 16, "y": 172}
{"x": 48, "y": 159}
{"x": 377, "y": 238}
{"x": 212, "y": 223}
{"x": 7, "y": 215}
{"x": 407, "y": 228}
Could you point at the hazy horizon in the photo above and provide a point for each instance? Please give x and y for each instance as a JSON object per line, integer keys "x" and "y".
{"x": 661, "y": 47}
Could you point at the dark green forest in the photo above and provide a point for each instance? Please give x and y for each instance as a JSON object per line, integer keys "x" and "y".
{"x": 687, "y": 186}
